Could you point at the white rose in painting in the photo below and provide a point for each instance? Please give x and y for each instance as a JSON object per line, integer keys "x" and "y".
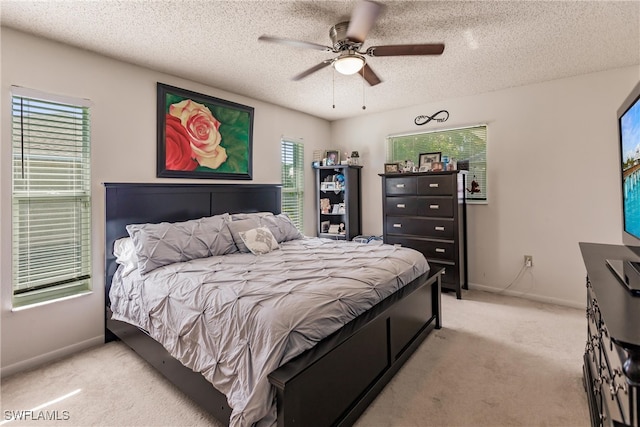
{"x": 202, "y": 129}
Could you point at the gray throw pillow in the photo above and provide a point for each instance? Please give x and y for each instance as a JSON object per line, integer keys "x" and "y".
{"x": 167, "y": 243}
{"x": 237, "y": 227}
{"x": 281, "y": 227}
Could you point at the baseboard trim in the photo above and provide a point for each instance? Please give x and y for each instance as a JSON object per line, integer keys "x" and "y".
{"x": 529, "y": 296}
{"x": 51, "y": 356}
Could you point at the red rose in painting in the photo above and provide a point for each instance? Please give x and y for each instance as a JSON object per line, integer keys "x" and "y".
{"x": 178, "y": 154}
{"x": 202, "y": 130}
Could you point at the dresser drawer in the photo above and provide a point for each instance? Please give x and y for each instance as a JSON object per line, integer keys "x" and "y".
{"x": 401, "y": 206}
{"x": 439, "y": 228}
{"x": 436, "y": 185}
{"x": 401, "y": 185}
{"x": 438, "y": 249}
{"x": 435, "y": 206}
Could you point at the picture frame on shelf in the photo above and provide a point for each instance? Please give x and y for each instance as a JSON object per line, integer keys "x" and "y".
{"x": 437, "y": 167}
{"x": 391, "y": 168}
{"x": 425, "y": 167}
{"x": 333, "y": 157}
{"x": 425, "y": 158}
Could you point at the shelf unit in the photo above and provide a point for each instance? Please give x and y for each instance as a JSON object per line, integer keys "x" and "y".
{"x": 339, "y": 186}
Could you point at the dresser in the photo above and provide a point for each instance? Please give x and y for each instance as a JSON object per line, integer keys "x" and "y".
{"x": 611, "y": 361}
{"x": 427, "y": 212}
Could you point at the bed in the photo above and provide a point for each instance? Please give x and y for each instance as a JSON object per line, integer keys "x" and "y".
{"x": 331, "y": 382}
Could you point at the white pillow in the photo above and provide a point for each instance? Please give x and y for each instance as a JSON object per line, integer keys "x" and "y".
{"x": 125, "y": 253}
{"x": 259, "y": 240}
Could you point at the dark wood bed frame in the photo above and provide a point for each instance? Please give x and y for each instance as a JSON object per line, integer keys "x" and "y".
{"x": 331, "y": 383}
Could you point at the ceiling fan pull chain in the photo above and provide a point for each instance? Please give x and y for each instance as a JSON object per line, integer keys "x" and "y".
{"x": 333, "y": 88}
{"x": 364, "y": 107}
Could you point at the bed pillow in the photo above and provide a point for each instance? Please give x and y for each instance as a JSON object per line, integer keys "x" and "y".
{"x": 167, "y": 243}
{"x": 125, "y": 252}
{"x": 281, "y": 227}
{"x": 259, "y": 240}
{"x": 242, "y": 225}
{"x": 250, "y": 215}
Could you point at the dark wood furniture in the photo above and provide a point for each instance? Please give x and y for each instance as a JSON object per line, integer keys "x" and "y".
{"x": 330, "y": 384}
{"x": 349, "y": 194}
{"x": 612, "y": 354}
{"x": 427, "y": 212}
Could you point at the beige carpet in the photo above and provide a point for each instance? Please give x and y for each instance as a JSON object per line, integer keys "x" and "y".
{"x": 498, "y": 361}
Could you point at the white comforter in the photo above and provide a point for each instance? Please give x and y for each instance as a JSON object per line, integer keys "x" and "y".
{"x": 236, "y": 318}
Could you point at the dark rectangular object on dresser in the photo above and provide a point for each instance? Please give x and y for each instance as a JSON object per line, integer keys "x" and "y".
{"x": 427, "y": 212}
{"x": 611, "y": 362}
{"x": 628, "y": 274}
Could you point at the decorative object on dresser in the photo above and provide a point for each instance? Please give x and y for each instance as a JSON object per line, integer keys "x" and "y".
{"x": 340, "y": 185}
{"x": 612, "y": 353}
{"x": 426, "y": 211}
{"x": 391, "y": 168}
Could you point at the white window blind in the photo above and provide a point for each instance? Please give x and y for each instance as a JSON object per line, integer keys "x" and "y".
{"x": 51, "y": 200}
{"x": 293, "y": 181}
{"x": 465, "y": 145}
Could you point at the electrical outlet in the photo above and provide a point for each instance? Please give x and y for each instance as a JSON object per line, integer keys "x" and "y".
{"x": 528, "y": 261}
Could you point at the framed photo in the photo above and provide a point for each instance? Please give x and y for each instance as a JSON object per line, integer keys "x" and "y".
{"x": 437, "y": 167}
{"x": 391, "y": 168}
{"x": 200, "y": 136}
{"x": 333, "y": 157}
{"x": 429, "y": 158}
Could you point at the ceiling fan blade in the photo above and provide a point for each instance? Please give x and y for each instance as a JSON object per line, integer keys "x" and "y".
{"x": 312, "y": 70}
{"x": 368, "y": 74}
{"x": 406, "y": 49}
{"x": 363, "y": 17}
{"x": 295, "y": 43}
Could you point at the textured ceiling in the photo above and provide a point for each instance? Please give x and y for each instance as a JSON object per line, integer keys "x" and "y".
{"x": 490, "y": 45}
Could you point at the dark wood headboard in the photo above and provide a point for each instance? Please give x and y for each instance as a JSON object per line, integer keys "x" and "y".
{"x": 128, "y": 203}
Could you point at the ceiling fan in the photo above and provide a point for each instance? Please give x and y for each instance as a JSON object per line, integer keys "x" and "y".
{"x": 348, "y": 38}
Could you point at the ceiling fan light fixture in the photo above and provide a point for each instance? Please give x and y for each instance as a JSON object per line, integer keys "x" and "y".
{"x": 349, "y": 64}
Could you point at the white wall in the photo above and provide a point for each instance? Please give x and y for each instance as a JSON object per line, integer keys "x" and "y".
{"x": 123, "y": 142}
{"x": 553, "y": 177}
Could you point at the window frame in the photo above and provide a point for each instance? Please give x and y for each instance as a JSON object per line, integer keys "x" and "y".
{"x": 473, "y": 169}
{"x": 297, "y": 214}
{"x": 66, "y": 189}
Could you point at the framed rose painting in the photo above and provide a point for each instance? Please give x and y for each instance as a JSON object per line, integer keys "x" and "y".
{"x": 200, "y": 136}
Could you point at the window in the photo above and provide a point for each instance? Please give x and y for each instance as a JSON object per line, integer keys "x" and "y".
{"x": 464, "y": 144}
{"x": 293, "y": 181}
{"x": 51, "y": 198}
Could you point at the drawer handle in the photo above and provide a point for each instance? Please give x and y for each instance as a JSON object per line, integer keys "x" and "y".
{"x": 434, "y": 206}
{"x": 397, "y": 225}
{"x": 434, "y": 185}
{"x": 400, "y": 205}
{"x": 399, "y": 185}
{"x": 440, "y": 250}
{"x": 439, "y": 228}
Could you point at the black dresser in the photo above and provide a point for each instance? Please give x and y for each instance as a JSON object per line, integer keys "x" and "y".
{"x": 612, "y": 353}
{"x": 427, "y": 212}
